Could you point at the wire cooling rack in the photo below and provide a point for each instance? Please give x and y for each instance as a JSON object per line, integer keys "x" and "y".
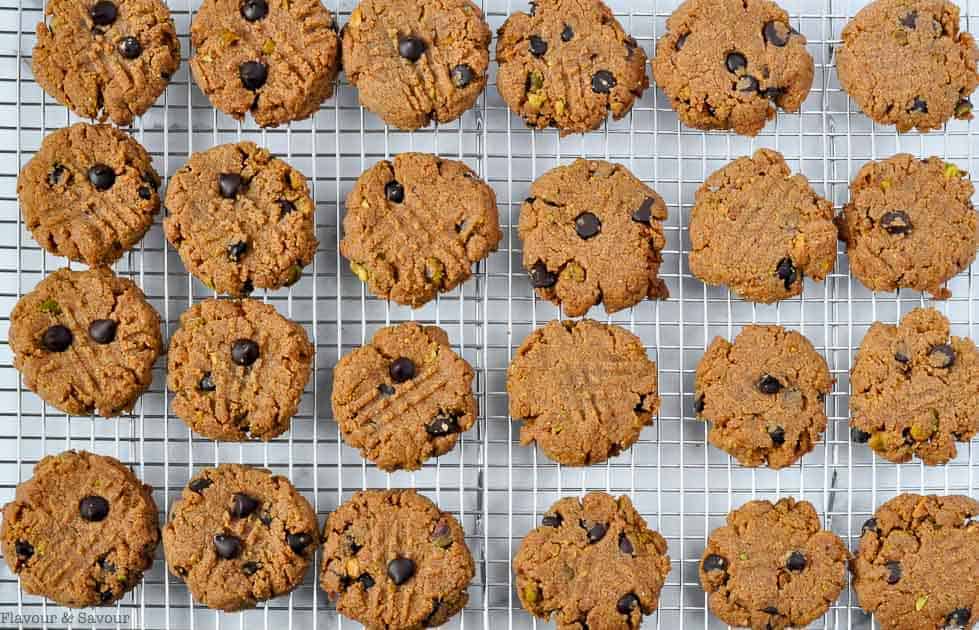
{"x": 497, "y": 488}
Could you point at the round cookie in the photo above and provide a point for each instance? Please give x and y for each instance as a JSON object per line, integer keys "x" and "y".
{"x": 392, "y": 559}
{"x": 592, "y": 563}
{"x": 277, "y": 60}
{"x": 763, "y": 395}
{"x": 567, "y": 64}
{"x": 89, "y": 193}
{"x": 759, "y": 229}
{"x": 241, "y": 219}
{"x": 106, "y": 59}
{"x": 240, "y": 535}
{"x": 415, "y": 225}
{"x": 237, "y": 369}
{"x": 584, "y": 390}
{"x": 915, "y": 389}
{"x": 403, "y": 398}
{"x": 906, "y": 63}
{"x": 592, "y": 233}
{"x": 916, "y": 563}
{"x": 86, "y": 341}
{"x": 909, "y": 224}
{"x": 727, "y": 64}
{"x": 773, "y": 566}
{"x": 81, "y": 531}
{"x": 415, "y": 62}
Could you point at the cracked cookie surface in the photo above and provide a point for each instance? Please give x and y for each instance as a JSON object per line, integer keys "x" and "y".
{"x": 772, "y": 566}
{"x": 592, "y": 563}
{"x": 592, "y": 233}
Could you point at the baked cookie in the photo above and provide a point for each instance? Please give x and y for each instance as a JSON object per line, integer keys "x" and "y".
{"x": 584, "y": 390}
{"x": 106, "y": 59}
{"x": 81, "y": 531}
{"x": 415, "y": 62}
{"x": 727, "y": 64}
{"x": 240, "y": 535}
{"x": 237, "y": 369}
{"x": 89, "y": 193}
{"x": 916, "y": 563}
{"x": 915, "y": 389}
{"x": 773, "y": 566}
{"x": 86, "y": 341}
{"x": 592, "y": 563}
{"x": 392, "y": 559}
{"x": 567, "y": 64}
{"x": 906, "y": 63}
{"x": 909, "y": 224}
{"x": 592, "y": 233}
{"x": 403, "y": 398}
{"x": 763, "y": 395}
{"x": 241, "y": 219}
{"x": 277, "y": 60}
{"x": 415, "y": 226}
{"x": 759, "y": 229}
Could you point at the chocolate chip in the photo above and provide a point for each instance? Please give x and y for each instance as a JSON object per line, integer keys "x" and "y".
{"x": 714, "y": 562}
{"x": 870, "y": 525}
{"x": 101, "y": 176}
{"x": 298, "y": 542}
{"x": 602, "y": 82}
{"x": 106, "y": 566}
{"x": 55, "y": 175}
{"x": 106, "y": 596}
{"x": 627, "y": 603}
{"x": 237, "y": 250}
{"x": 786, "y": 272}
{"x": 385, "y": 390}
{"x": 963, "y": 109}
{"x": 901, "y": 354}
{"x": 229, "y": 184}
{"x": 286, "y": 206}
{"x": 896, "y": 222}
{"x": 894, "y": 571}
{"x": 129, "y": 47}
{"x": 698, "y": 404}
{"x": 366, "y": 581}
{"x": 411, "y": 48}
{"x": 244, "y": 352}
{"x": 771, "y": 610}
{"x": 773, "y": 93}
{"x": 443, "y": 424}
{"x": 681, "y": 41}
{"x": 56, "y": 338}
{"x": 919, "y": 107}
{"x": 644, "y": 213}
{"x": 735, "y": 61}
{"x": 625, "y": 545}
{"x": 796, "y": 561}
{"x": 93, "y": 508}
{"x": 776, "y": 33}
{"x": 243, "y": 505}
{"x": 942, "y": 356}
{"x": 442, "y": 535}
{"x": 858, "y": 435}
{"x": 778, "y": 436}
{"x": 103, "y": 13}
{"x": 265, "y": 518}
{"x": 540, "y": 277}
{"x": 201, "y": 483}
{"x": 23, "y": 549}
{"x": 253, "y": 74}
{"x": 402, "y": 369}
{"x": 909, "y": 20}
{"x": 587, "y": 225}
{"x": 769, "y": 385}
{"x": 250, "y": 568}
{"x": 144, "y": 193}
{"x": 747, "y": 83}
{"x": 552, "y": 520}
{"x": 400, "y": 570}
{"x": 247, "y": 288}
{"x": 959, "y": 617}
{"x": 206, "y": 384}
{"x": 103, "y": 331}
{"x": 567, "y": 34}
{"x": 462, "y": 75}
{"x": 394, "y": 191}
{"x": 227, "y": 546}
{"x": 597, "y": 532}
{"x": 537, "y": 46}
{"x": 254, "y": 10}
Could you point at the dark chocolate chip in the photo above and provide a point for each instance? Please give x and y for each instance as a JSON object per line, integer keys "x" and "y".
{"x": 265, "y": 518}
{"x": 894, "y": 571}
{"x": 714, "y": 562}
{"x": 394, "y": 191}
{"x": 786, "y": 272}
{"x": 402, "y": 369}
{"x": 777, "y": 33}
{"x": 23, "y": 549}
{"x": 247, "y": 288}
{"x": 286, "y": 206}
{"x": 400, "y": 570}
{"x": 106, "y": 596}
{"x": 366, "y": 581}
{"x": 200, "y": 484}
{"x": 254, "y": 10}
{"x": 587, "y": 225}
{"x": 735, "y": 61}
{"x": 644, "y": 213}
{"x": 443, "y": 424}
{"x": 56, "y": 338}
{"x": 411, "y": 48}
{"x": 959, "y": 617}
{"x": 229, "y": 184}
{"x": 103, "y": 13}
{"x": 442, "y": 535}
{"x": 747, "y": 83}
{"x": 896, "y": 222}
{"x": 101, "y": 176}
{"x": 237, "y": 250}
{"x": 253, "y": 74}
{"x": 870, "y": 525}
{"x": 681, "y": 41}
{"x": 540, "y": 277}
{"x": 227, "y": 546}
{"x": 244, "y": 352}
{"x": 462, "y": 75}
{"x": 625, "y": 545}
{"x": 771, "y": 610}
{"x": 129, "y": 47}
{"x": 250, "y": 568}
{"x": 243, "y": 505}
{"x": 103, "y": 331}
{"x": 627, "y": 603}
{"x": 93, "y": 508}
{"x": 385, "y": 390}
{"x": 206, "y": 384}
{"x": 858, "y": 435}
{"x": 773, "y": 93}
{"x": 909, "y": 20}
{"x": 597, "y": 532}
{"x": 963, "y": 109}
{"x": 942, "y": 356}
{"x": 796, "y": 561}
{"x": 538, "y": 47}
{"x": 778, "y": 436}
{"x": 602, "y": 82}
{"x": 919, "y": 106}
{"x": 55, "y": 175}
{"x": 769, "y": 385}
{"x": 567, "y": 34}
{"x": 298, "y": 542}
{"x": 106, "y": 566}
{"x": 698, "y": 404}
{"x": 552, "y": 520}
{"x": 144, "y": 193}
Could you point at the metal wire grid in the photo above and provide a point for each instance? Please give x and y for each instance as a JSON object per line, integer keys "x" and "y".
{"x": 497, "y": 488}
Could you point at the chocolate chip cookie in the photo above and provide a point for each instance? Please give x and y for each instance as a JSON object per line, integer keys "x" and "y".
{"x": 415, "y": 62}
{"x": 584, "y": 390}
{"x": 86, "y": 341}
{"x": 106, "y": 58}
{"x": 763, "y": 395}
{"x": 567, "y": 64}
{"x": 405, "y": 397}
{"x": 592, "y": 233}
{"x": 240, "y": 535}
{"x": 392, "y": 559}
{"x": 237, "y": 369}
{"x": 241, "y": 219}
{"x": 81, "y": 531}
{"x": 773, "y": 566}
{"x": 910, "y": 224}
{"x": 915, "y": 389}
{"x": 89, "y": 193}
{"x": 592, "y": 563}
{"x": 759, "y": 229}
{"x": 916, "y": 563}
{"x": 906, "y": 63}
{"x": 727, "y": 64}
{"x": 416, "y": 225}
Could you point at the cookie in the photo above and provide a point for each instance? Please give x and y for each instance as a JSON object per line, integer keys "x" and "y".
{"x": 106, "y": 59}
{"x": 759, "y": 229}
{"x": 593, "y": 233}
{"x": 592, "y": 563}
{"x": 241, "y": 219}
{"x": 416, "y": 225}
{"x": 277, "y": 60}
{"x": 909, "y": 224}
{"x": 81, "y": 531}
{"x": 772, "y": 566}
{"x": 906, "y": 63}
{"x": 89, "y": 194}
{"x": 568, "y": 64}
{"x": 415, "y": 62}
{"x": 392, "y": 559}
{"x": 86, "y": 341}
{"x": 237, "y": 369}
{"x": 728, "y": 64}
{"x": 914, "y": 389}
{"x": 584, "y": 390}
{"x": 240, "y": 535}
{"x": 916, "y": 563}
{"x": 763, "y": 395}
{"x": 404, "y": 397}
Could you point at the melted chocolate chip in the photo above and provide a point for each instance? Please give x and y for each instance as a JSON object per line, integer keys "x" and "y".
{"x": 101, "y": 176}
{"x": 552, "y": 520}
{"x": 243, "y": 505}
{"x": 200, "y": 484}
{"x": 735, "y": 61}
{"x": 103, "y": 331}
{"x": 540, "y": 277}
{"x": 602, "y": 82}
{"x": 627, "y": 603}
{"x": 625, "y": 545}
{"x": 254, "y": 10}
{"x": 298, "y": 542}
{"x": 129, "y": 47}
{"x": 896, "y": 222}
{"x": 253, "y": 74}
{"x": 411, "y": 48}
{"x": 244, "y": 352}
{"x": 400, "y": 570}
{"x": 227, "y": 546}
{"x": 769, "y": 385}
{"x": 229, "y": 184}
{"x": 93, "y": 508}
{"x": 778, "y": 436}
{"x": 796, "y": 561}
{"x": 402, "y": 369}
{"x": 587, "y": 225}
{"x": 776, "y": 33}
{"x": 714, "y": 562}
{"x": 462, "y": 75}
{"x": 57, "y": 338}
{"x": 394, "y": 192}
{"x": 567, "y": 34}
{"x": 206, "y": 384}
